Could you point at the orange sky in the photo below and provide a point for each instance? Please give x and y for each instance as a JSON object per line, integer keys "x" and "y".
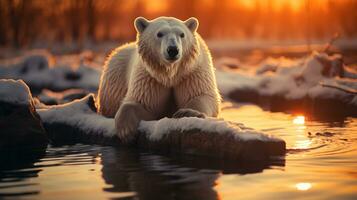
{"x": 296, "y": 5}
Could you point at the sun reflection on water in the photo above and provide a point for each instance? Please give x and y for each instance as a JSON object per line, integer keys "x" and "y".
{"x": 302, "y": 141}
{"x": 299, "y": 120}
{"x": 303, "y": 144}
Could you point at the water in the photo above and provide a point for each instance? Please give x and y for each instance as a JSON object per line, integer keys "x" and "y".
{"x": 321, "y": 164}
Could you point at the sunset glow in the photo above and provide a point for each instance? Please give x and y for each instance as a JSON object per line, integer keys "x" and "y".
{"x": 268, "y": 20}
{"x": 178, "y": 99}
{"x": 303, "y": 144}
{"x": 155, "y": 6}
{"x": 275, "y": 5}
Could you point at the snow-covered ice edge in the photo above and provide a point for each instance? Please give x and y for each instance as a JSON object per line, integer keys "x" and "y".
{"x": 80, "y": 121}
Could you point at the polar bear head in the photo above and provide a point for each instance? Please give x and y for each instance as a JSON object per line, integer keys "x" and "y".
{"x": 166, "y": 43}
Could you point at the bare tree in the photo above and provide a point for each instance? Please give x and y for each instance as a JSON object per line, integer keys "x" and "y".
{"x": 91, "y": 19}
{"x": 3, "y": 35}
{"x": 15, "y": 9}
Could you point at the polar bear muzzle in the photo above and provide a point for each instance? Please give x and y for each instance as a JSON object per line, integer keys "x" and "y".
{"x": 172, "y": 51}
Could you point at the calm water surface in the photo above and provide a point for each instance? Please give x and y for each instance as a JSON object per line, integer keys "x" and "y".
{"x": 321, "y": 164}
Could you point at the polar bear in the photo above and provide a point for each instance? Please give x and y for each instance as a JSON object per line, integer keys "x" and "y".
{"x": 167, "y": 72}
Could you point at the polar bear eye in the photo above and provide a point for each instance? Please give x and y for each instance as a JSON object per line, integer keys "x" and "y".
{"x": 159, "y": 34}
{"x": 182, "y": 35}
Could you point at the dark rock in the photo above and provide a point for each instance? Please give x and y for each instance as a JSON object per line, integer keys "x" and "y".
{"x": 20, "y": 125}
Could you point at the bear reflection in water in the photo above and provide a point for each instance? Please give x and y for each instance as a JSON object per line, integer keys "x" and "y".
{"x": 124, "y": 170}
{"x": 158, "y": 177}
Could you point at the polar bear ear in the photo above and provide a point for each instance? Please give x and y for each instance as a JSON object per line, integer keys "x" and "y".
{"x": 192, "y": 24}
{"x": 141, "y": 24}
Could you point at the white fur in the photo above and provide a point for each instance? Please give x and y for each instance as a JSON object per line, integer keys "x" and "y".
{"x": 150, "y": 86}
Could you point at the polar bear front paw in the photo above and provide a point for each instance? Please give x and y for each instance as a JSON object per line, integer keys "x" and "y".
{"x": 186, "y": 112}
{"x": 126, "y": 132}
{"x": 126, "y": 123}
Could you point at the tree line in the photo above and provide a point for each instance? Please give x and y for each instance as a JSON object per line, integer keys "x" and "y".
{"x": 27, "y": 22}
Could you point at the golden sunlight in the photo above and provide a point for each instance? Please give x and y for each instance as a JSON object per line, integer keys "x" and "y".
{"x": 303, "y": 144}
{"x": 303, "y": 186}
{"x": 295, "y": 5}
{"x": 276, "y": 5}
{"x": 302, "y": 141}
{"x": 154, "y": 6}
{"x": 299, "y": 120}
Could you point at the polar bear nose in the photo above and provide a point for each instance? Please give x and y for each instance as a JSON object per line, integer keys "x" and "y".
{"x": 172, "y": 51}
